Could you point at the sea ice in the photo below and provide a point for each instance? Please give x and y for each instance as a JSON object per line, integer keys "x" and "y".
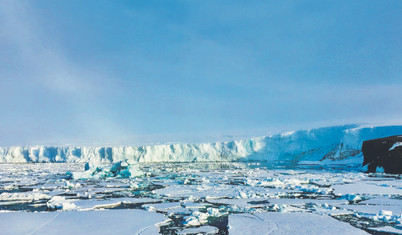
{"x": 85, "y": 222}
{"x": 288, "y": 223}
{"x": 203, "y": 194}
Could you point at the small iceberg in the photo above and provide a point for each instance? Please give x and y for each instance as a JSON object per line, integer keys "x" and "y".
{"x": 120, "y": 169}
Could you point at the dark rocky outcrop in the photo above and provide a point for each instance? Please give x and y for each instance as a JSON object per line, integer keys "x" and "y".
{"x": 384, "y": 152}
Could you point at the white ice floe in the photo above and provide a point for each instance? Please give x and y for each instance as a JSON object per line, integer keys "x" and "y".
{"x": 25, "y": 196}
{"x": 387, "y": 230}
{"x": 366, "y": 187}
{"x": 96, "y": 204}
{"x": 288, "y": 223}
{"x": 85, "y": 222}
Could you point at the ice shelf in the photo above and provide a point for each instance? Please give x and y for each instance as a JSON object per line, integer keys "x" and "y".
{"x": 321, "y": 144}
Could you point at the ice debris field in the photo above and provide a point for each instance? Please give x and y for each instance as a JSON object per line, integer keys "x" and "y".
{"x": 299, "y": 182}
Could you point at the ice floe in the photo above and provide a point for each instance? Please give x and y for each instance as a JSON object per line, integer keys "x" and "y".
{"x": 288, "y": 223}
{"x": 85, "y": 222}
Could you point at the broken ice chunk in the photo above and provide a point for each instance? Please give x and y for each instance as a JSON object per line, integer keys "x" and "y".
{"x": 385, "y": 212}
{"x": 60, "y": 203}
{"x": 351, "y": 197}
{"x": 197, "y": 218}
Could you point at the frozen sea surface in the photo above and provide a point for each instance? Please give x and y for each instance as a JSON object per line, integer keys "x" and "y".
{"x": 198, "y": 198}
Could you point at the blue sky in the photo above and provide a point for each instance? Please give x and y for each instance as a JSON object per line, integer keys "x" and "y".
{"x": 130, "y": 72}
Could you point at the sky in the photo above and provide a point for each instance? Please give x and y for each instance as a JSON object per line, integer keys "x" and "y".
{"x": 134, "y": 72}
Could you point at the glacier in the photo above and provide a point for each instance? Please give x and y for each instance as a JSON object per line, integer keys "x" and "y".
{"x": 314, "y": 145}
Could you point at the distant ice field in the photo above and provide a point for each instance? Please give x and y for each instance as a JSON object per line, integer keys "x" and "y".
{"x": 197, "y": 198}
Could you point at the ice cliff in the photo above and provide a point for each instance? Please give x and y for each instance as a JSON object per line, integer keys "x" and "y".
{"x": 330, "y": 143}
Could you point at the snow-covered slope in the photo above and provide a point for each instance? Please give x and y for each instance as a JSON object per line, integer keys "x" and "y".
{"x": 330, "y": 143}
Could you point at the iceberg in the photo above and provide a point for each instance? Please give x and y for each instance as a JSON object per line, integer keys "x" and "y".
{"x": 314, "y": 145}
{"x": 119, "y": 169}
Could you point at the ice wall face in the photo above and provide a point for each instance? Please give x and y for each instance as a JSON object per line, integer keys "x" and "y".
{"x": 331, "y": 143}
